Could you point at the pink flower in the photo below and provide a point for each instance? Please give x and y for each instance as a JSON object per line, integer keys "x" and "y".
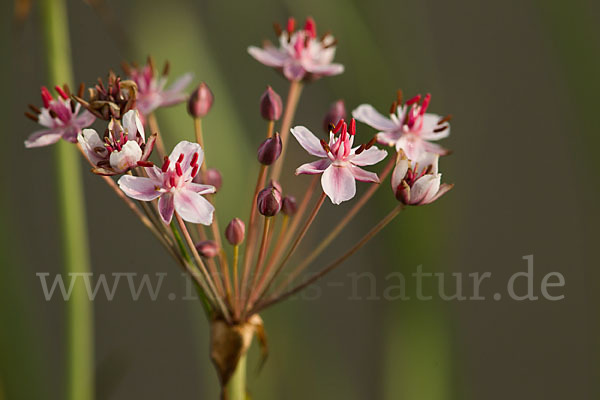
{"x": 340, "y": 163}
{"x": 173, "y": 185}
{"x": 409, "y": 128}
{"x": 151, "y": 87}
{"x": 418, "y": 183}
{"x": 301, "y": 55}
{"x": 61, "y": 118}
{"x": 124, "y": 145}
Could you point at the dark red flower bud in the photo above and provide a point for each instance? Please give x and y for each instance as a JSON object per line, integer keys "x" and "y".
{"x": 270, "y": 105}
{"x": 201, "y": 101}
{"x": 269, "y": 201}
{"x": 270, "y": 150}
{"x": 336, "y": 112}
{"x": 275, "y": 184}
{"x": 213, "y": 178}
{"x": 235, "y": 231}
{"x": 207, "y": 248}
{"x": 289, "y": 206}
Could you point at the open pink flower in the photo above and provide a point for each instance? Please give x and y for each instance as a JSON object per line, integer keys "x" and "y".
{"x": 173, "y": 185}
{"x": 123, "y": 148}
{"x": 151, "y": 87}
{"x": 301, "y": 55}
{"x": 418, "y": 182}
{"x": 340, "y": 163}
{"x": 60, "y": 117}
{"x": 408, "y": 128}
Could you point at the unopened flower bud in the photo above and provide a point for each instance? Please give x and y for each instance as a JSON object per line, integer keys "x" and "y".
{"x": 235, "y": 231}
{"x": 270, "y": 105}
{"x": 289, "y": 206}
{"x": 213, "y": 178}
{"x": 269, "y": 201}
{"x": 336, "y": 112}
{"x": 270, "y": 150}
{"x": 275, "y": 184}
{"x": 201, "y": 101}
{"x": 207, "y": 248}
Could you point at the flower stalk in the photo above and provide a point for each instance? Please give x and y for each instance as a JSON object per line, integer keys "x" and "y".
{"x": 79, "y": 315}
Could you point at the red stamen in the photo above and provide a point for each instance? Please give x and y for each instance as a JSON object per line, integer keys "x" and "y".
{"x": 172, "y": 180}
{"x": 338, "y": 126}
{"x": 311, "y": 27}
{"x": 61, "y": 92}
{"x": 415, "y": 99}
{"x": 425, "y": 104}
{"x": 194, "y": 160}
{"x": 394, "y": 108}
{"x": 399, "y": 96}
{"x": 447, "y": 118}
{"x": 148, "y": 164}
{"x": 178, "y": 169}
{"x": 277, "y": 29}
{"x": 353, "y": 127}
{"x": 46, "y": 97}
{"x": 180, "y": 159}
{"x": 440, "y": 129}
{"x": 166, "y": 164}
{"x": 291, "y": 25}
{"x": 195, "y": 170}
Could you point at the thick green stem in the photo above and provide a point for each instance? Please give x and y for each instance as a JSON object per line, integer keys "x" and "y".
{"x": 236, "y": 387}
{"x": 79, "y": 313}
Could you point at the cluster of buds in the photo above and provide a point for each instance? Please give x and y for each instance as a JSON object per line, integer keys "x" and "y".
{"x": 110, "y": 101}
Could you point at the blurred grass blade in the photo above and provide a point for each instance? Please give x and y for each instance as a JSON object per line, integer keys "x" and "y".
{"x": 80, "y": 358}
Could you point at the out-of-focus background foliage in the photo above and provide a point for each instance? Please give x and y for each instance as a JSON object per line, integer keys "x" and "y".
{"x": 520, "y": 78}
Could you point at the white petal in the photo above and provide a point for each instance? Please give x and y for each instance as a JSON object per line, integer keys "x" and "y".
{"x": 92, "y": 146}
{"x": 127, "y": 157}
{"x": 313, "y": 168}
{"x": 133, "y": 124}
{"x": 44, "y": 137}
{"x": 325, "y": 70}
{"x": 268, "y": 57}
{"x": 365, "y": 113}
{"x": 139, "y": 188}
{"x": 166, "y": 207}
{"x": 399, "y": 173}
{"x": 338, "y": 183}
{"x": 363, "y": 176}
{"x": 193, "y": 207}
{"x": 308, "y": 141}
{"x": 187, "y": 149}
{"x": 424, "y": 188}
{"x": 369, "y": 157}
{"x": 200, "y": 188}
{"x": 430, "y": 123}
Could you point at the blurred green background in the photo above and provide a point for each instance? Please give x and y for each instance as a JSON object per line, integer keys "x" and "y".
{"x": 520, "y": 78}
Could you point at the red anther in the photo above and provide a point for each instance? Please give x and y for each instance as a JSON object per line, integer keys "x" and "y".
{"x": 277, "y": 29}
{"x": 194, "y": 160}
{"x": 291, "y": 25}
{"x": 394, "y": 108}
{"x": 166, "y": 164}
{"x": 415, "y": 99}
{"x": 360, "y": 149}
{"x": 61, "y": 92}
{"x": 425, "y": 104}
{"x": 180, "y": 159}
{"x": 353, "y": 127}
{"x": 195, "y": 170}
{"x": 31, "y": 116}
{"x": 178, "y": 169}
{"x": 46, "y": 96}
{"x": 447, "y": 118}
{"x": 34, "y": 109}
{"x": 147, "y": 164}
{"x": 344, "y": 130}
{"x": 440, "y": 128}
{"x": 311, "y": 27}
{"x": 338, "y": 126}
{"x": 125, "y": 139}
{"x": 166, "y": 68}
{"x": 172, "y": 180}
{"x": 325, "y": 146}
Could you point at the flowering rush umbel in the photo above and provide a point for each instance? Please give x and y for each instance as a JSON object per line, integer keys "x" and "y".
{"x": 238, "y": 270}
